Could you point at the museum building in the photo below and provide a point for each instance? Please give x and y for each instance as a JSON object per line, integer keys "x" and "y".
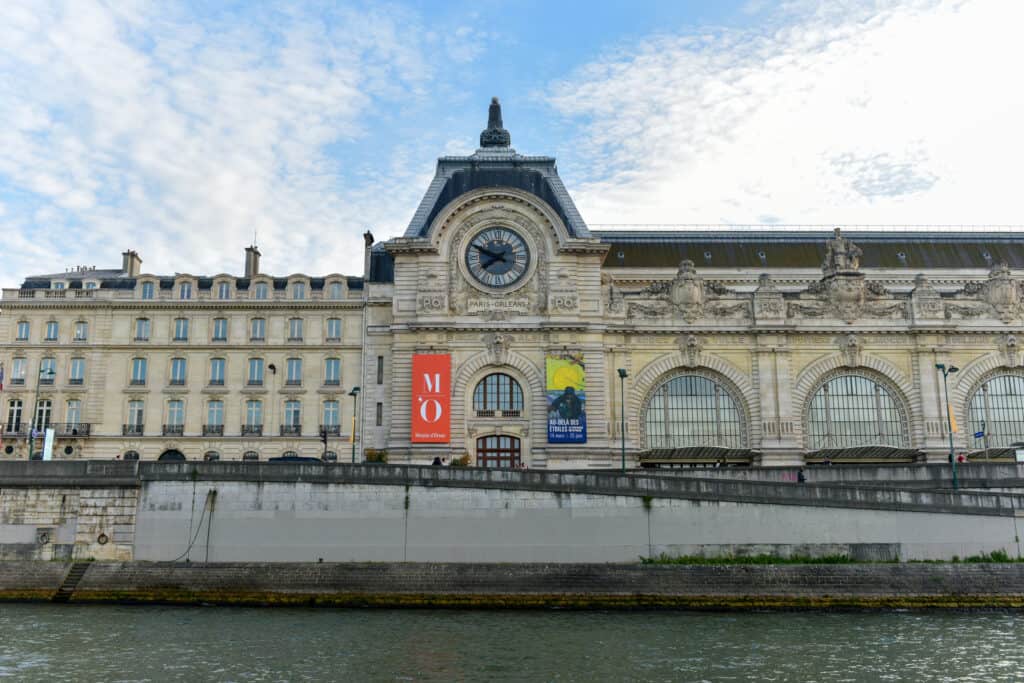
{"x": 500, "y": 331}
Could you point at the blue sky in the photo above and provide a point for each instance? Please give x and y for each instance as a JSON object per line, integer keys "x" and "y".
{"x": 181, "y": 131}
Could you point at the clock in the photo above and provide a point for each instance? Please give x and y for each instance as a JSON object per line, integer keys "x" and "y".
{"x": 497, "y": 257}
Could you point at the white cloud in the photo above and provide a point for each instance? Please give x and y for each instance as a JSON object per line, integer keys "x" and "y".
{"x": 891, "y": 113}
{"x": 127, "y": 127}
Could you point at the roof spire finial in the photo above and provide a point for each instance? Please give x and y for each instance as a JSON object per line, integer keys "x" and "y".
{"x": 495, "y": 134}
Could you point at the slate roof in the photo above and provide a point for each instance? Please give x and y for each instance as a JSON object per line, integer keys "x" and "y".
{"x": 773, "y": 248}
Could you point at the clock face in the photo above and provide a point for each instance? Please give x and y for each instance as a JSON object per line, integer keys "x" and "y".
{"x": 497, "y": 257}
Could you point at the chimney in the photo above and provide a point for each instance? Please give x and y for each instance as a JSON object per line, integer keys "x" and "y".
{"x": 252, "y": 261}
{"x": 368, "y": 240}
{"x": 131, "y": 264}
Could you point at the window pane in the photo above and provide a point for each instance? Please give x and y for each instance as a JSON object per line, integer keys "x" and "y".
{"x": 691, "y": 410}
{"x": 494, "y": 392}
{"x": 853, "y": 410}
{"x": 997, "y": 409}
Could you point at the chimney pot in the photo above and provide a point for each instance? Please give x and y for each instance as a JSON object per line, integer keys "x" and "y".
{"x": 252, "y": 261}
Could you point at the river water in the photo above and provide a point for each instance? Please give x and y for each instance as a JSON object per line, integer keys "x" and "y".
{"x": 114, "y": 643}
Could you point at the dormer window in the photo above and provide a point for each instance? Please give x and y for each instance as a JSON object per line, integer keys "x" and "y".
{"x": 260, "y": 291}
{"x": 148, "y": 290}
{"x": 298, "y": 290}
{"x": 92, "y": 285}
{"x": 58, "y": 285}
{"x": 185, "y": 290}
{"x": 336, "y": 290}
{"x": 223, "y": 290}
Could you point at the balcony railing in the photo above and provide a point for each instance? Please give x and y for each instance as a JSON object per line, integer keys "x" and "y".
{"x": 332, "y": 382}
{"x": 132, "y": 430}
{"x": 174, "y": 430}
{"x": 72, "y": 428}
{"x": 252, "y": 430}
{"x": 137, "y": 382}
{"x": 219, "y": 339}
{"x": 16, "y": 429}
{"x": 76, "y": 381}
{"x": 179, "y": 339}
{"x": 254, "y": 383}
{"x": 217, "y": 382}
{"x": 332, "y": 339}
{"x": 332, "y": 430}
{"x": 17, "y": 381}
{"x": 291, "y": 430}
{"x": 499, "y": 413}
{"x": 140, "y": 338}
{"x": 44, "y": 381}
{"x": 213, "y": 430}
{"x": 293, "y": 382}
{"x": 294, "y": 339}
{"x": 177, "y": 382}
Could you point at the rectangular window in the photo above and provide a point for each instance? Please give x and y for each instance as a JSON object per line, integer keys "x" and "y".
{"x": 181, "y": 329}
{"x": 175, "y": 413}
{"x": 185, "y": 291}
{"x": 217, "y": 371}
{"x": 337, "y": 290}
{"x": 299, "y": 290}
{"x": 47, "y": 370}
{"x": 51, "y": 331}
{"x": 220, "y": 329}
{"x": 294, "y": 376}
{"x": 380, "y": 369}
{"x": 138, "y": 371}
{"x": 380, "y": 414}
{"x": 147, "y": 290}
{"x": 77, "y": 375}
{"x": 258, "y": 329}
{"x": 260, "y": 291}
{"x": 178, "y": 371}
{"x": 253, "y": 413}
{"x": 136, "y": 413}
{"x": 19, "y": 366}
{"x": 292, "y": 413}
{"x": 331, "y": 414}
{"x": 255, "y": 372}
{"x": 91, "y": 285}
{"x": 73, "y": 412}
{"x": 295, "y": 329}
{"x": 142, "y": 329}
{"x": 215, "y": 413}
{"x": 81, "y": 331}
{"x": 333, "y": 329}
{"x": 58, "y": 285}
{"x": 223, "y": 290}
{"x": 14, "y": 408}
{"x": 44, "y": 414}
{"x": 22, "y": 331}
{"x": 332, "y": 371}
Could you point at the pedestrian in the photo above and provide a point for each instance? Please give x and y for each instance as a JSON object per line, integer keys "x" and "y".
{"x": 437, "y": 461}
{"x": 800, "y": 476}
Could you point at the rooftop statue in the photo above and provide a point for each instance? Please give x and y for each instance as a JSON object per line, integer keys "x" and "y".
{"x": 841, "y": 255}
{"x": 495, "y": 135}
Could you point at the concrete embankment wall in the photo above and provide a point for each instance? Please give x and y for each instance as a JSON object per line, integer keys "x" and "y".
{"x": 284, "y": 513}
{"x": 532, "y": 585}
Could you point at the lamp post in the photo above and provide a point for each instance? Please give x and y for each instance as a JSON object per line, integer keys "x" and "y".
{"x": 946, "y": 372}
{"x": 49, "y": 373}
{"x": 355, "y": 399}
{"x": 622, "y": 396}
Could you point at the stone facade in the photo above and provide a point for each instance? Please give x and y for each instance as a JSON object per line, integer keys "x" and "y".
{"x": 765, "y": 333}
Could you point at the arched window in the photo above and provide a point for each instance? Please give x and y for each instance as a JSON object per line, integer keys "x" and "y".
{"x": 289, "y": 454}
{"x": 498, "y": 395}
{"x": 250, "y": 455}
{"x": 211, "y": 456}
{"x": 853, "y": 410}
{"x": 131, "y": 455}
{"x": 693, "y": 410}
{"x": 997, "y": 409}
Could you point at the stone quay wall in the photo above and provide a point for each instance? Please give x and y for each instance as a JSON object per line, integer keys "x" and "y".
{"x": 272, "y": 512}
{"x": 528, "y": 585}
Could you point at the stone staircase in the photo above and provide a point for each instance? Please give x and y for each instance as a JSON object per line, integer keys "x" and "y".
{"x": 70, "y": 583}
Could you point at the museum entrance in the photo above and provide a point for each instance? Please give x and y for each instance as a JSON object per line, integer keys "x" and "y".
{"x": 498, "y": 451}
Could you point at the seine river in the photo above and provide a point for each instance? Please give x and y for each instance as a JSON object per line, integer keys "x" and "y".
{"x": 110, "y": 643}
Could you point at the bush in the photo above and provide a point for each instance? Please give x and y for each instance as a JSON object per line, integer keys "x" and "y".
{"x": 461, "y": 461}
{"x": 376, "y": 455}
{"x": 746, "y": 559}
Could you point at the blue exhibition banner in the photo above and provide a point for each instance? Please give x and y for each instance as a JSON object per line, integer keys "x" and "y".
{"x": 567, "y": 399}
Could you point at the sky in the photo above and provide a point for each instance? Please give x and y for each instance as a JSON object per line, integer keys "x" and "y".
{"x": 188, "y": 130}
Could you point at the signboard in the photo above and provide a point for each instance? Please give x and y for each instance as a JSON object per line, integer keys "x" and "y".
{"x": 431, "y": 398}
{"x": 48, "y": 444}
{"x": 567, "y": 399}
{"x": 979, "y": 435}
{"x": 1020, "y": 454}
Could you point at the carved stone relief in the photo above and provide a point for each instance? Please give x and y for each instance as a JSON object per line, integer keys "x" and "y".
{"x": 1008, "y": 346}
{"x": 691, "y": 347}
{"x": 999, "y": 296}
{"x": 688, "y": 297}
{"x": 850, "y": 346}
{"x": 926, "y": 300}
{"x": 497, "y": 345}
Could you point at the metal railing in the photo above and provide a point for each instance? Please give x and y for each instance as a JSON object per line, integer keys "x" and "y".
{"x": 332, "y": 430}
{"x": 213, "y": 430}
{"x": 173, "y": 430}
{"x": 252, "y": 430}
{"x": 132, "y": 430}
{"x": 291, "y": 430}
{"x": 72, "y": 428}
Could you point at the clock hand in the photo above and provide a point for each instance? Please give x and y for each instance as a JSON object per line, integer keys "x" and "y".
{"x": 490, "y": 253}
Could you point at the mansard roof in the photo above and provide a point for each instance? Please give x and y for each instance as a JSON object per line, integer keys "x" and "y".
{"x": 496, "y": 164}
{"x": 769, "y": 247}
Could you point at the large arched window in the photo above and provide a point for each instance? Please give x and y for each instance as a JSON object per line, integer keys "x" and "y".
{"x": 498, "y": 395}
{"x": 997, "y": 409}
{"x": 854, "y": 410}
{"x": 693, "y": 410}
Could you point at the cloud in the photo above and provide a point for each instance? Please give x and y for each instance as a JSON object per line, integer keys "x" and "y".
{"x": 878, "y": 113}
{"x": 131, "y": 125}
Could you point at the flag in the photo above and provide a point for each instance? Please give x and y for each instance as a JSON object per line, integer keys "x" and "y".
{"x": 952, "y": 420}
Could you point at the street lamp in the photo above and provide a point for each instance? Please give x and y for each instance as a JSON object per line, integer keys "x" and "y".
{"x": 622, "y": 392}
{"x": 47, "y": 373}
{"x": 355, "y": 399}
{"x": 946, "y": 372}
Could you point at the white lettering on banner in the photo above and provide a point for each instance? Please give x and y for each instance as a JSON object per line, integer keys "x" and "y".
{"x": 438, "y": 410}
{"x": 432, "y": 387}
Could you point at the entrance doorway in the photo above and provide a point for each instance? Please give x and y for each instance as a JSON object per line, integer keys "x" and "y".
{"x": 498, "y": 451}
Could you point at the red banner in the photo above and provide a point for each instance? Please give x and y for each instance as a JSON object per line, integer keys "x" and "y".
{"x": 431, "y": 398}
